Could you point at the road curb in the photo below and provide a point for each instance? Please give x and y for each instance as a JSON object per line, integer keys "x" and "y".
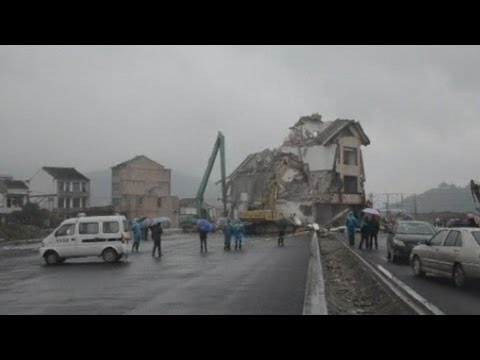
{"x": 315, "y": 302}
{"x": 398, "y": 288}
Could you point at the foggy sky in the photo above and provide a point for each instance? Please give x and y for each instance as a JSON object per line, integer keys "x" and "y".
{"x": 92, "y": 107}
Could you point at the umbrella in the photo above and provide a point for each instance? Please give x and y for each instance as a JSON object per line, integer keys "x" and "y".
{"x": 147, "y": 222}
{"x": 165, "y": 221}
{"x": 204, "y": 225}
{"x": 371, "y": 211}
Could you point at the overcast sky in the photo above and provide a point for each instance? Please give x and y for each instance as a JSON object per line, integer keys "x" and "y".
{"x": 92, "y": 107}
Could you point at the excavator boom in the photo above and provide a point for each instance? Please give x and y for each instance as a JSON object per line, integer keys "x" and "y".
{"x": 219, "y": 146}
{"x": 475, "y": 188}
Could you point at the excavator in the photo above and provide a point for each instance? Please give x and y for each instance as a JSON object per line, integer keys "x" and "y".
{"x": 267, "y": 218}
{"x": 202, "y": 213}
{"x": 260, "y": 221}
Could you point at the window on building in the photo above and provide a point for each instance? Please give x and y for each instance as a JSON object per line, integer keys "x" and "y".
{"x": 350, "y": 185}
{"x": 350, "y": 156}
{"x": 306, "y": 210}
{"x": 60, "y": 186}
{"x": 111, "y": 227}
{"x": 84, "y": 203}
{"x": 84, "y": 187}
{"x": 76, "y": 203}
{"x": 116, "y": 186}
{"x": 9, "y": 202}
{"x": 61, "y": 202}
{"x": 88, "y": 228}
{"x": 76, "y": 186}
{"x": 67, "y": 186}
{"x": 159, "y": 202}
{"x": 140, "y": 201}
{"x": 116, "y": 202}
{"x": 67, "y": 203}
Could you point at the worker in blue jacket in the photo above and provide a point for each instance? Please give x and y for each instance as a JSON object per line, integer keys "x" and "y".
{"x": 137, "y": 235}
{"x": 351, "y": 225}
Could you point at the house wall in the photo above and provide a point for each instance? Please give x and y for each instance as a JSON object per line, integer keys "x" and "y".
{"x": 43, "y": 190}
{"x": 4, "y": 209}
{"x": 137, "y": 187}
{"x": 351, "y": 170}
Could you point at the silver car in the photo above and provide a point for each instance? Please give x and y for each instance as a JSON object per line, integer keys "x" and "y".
{"x": 454, "y": 253}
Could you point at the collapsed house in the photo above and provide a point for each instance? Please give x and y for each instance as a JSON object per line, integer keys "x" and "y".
{"x": 318, "y": 172}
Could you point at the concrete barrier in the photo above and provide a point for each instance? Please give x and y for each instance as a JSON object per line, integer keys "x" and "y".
{"x": 315, "y": 302}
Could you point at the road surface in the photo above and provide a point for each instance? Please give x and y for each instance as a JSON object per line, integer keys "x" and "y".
{"x": 260, "y": 279}
{"x": 439, "y": 291}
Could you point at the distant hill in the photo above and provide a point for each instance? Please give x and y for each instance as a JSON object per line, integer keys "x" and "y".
{"x": 183, "y": 186}
{"x": 445, "y": 197}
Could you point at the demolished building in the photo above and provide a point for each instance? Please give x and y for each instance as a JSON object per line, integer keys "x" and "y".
{"x": 318, "y": 171}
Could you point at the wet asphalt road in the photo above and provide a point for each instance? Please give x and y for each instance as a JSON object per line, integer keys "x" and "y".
{"x": 259, "y": 279}
{"x": 439, "y": 291}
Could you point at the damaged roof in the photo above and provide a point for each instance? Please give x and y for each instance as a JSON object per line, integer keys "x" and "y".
{"x": 64, "y": 173}
{"x": 338, "y": 125}
{"x": 138, "y": 157}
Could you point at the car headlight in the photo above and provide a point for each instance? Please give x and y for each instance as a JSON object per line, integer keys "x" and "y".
{"x": 398, "y": 242}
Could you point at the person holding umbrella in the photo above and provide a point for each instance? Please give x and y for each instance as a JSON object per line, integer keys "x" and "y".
{"x": 203, "y": 227}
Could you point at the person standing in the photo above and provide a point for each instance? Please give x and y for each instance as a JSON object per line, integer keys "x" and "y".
{"x": 203, "y": 240}
{"x": 351, "y": 225}
{"x": 137, "y": 235}
{"x": 365, "y": 232}
{"x": 157, "y": 239}
{"x": 238, "y": 232}
{"x": 227, "y": 232}
{"x": 281, "y": 235}
{"x": 374, "y": 229}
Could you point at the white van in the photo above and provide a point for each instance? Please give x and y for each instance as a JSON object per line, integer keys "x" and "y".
{"x": 104, "y": 236}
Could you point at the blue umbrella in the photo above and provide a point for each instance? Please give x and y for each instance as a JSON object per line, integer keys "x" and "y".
{"x": 204, "y": 225}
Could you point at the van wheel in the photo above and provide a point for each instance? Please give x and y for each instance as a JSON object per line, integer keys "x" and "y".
{"x": 110, "y": 255}
{"x": 51, "y": 258}
{"x": 459, "y": 278}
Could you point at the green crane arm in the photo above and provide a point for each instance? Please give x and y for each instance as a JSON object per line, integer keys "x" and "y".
{"x": 218, "y": 146}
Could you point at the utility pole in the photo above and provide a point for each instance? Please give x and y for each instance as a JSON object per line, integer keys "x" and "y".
{"x": 401, "y": 195}
{"x": 415, "y": 204}
{"x": 388, "y": 203}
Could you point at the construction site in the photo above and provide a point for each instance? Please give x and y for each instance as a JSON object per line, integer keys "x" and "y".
{"x": 314, "y": 176}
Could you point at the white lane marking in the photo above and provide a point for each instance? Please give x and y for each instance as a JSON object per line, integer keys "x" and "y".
{"x": 410, "y": 291}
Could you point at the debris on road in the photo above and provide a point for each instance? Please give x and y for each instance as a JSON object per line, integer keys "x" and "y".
{"x": 350, "y": 289}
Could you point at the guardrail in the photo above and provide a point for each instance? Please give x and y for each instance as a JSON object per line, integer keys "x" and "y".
{"x": 396, "y": 287}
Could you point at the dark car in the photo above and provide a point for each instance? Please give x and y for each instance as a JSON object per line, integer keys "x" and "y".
{"x": 405, "y": 236}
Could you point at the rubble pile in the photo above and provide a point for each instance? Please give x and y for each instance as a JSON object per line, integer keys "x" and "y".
{"x": 350, "y": 289}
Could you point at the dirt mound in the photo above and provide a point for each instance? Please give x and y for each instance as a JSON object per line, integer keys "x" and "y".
{"x": 350, "y": 289}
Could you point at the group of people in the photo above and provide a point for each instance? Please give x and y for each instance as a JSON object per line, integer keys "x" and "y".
{"x": 233, "y": 230}
{"x": 141, "y": 232}
{"x": 369, "y": 226}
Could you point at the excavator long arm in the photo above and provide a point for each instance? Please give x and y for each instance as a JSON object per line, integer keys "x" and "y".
{"x": 218, "y": 146}
{"x": 475, "y": 188}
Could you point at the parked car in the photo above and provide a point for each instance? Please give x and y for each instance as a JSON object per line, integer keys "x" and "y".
{"x": 405, "y": 235}
{"x": 103, "y": 236}
{"x": 454, "y": 253}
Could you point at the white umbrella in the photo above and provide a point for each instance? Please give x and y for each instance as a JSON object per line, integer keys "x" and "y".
{"x": 371, "y": 211}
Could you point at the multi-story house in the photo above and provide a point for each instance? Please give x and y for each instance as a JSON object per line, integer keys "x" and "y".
{"x": 60, "y": 189}
{"x": 141, "y": 187}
